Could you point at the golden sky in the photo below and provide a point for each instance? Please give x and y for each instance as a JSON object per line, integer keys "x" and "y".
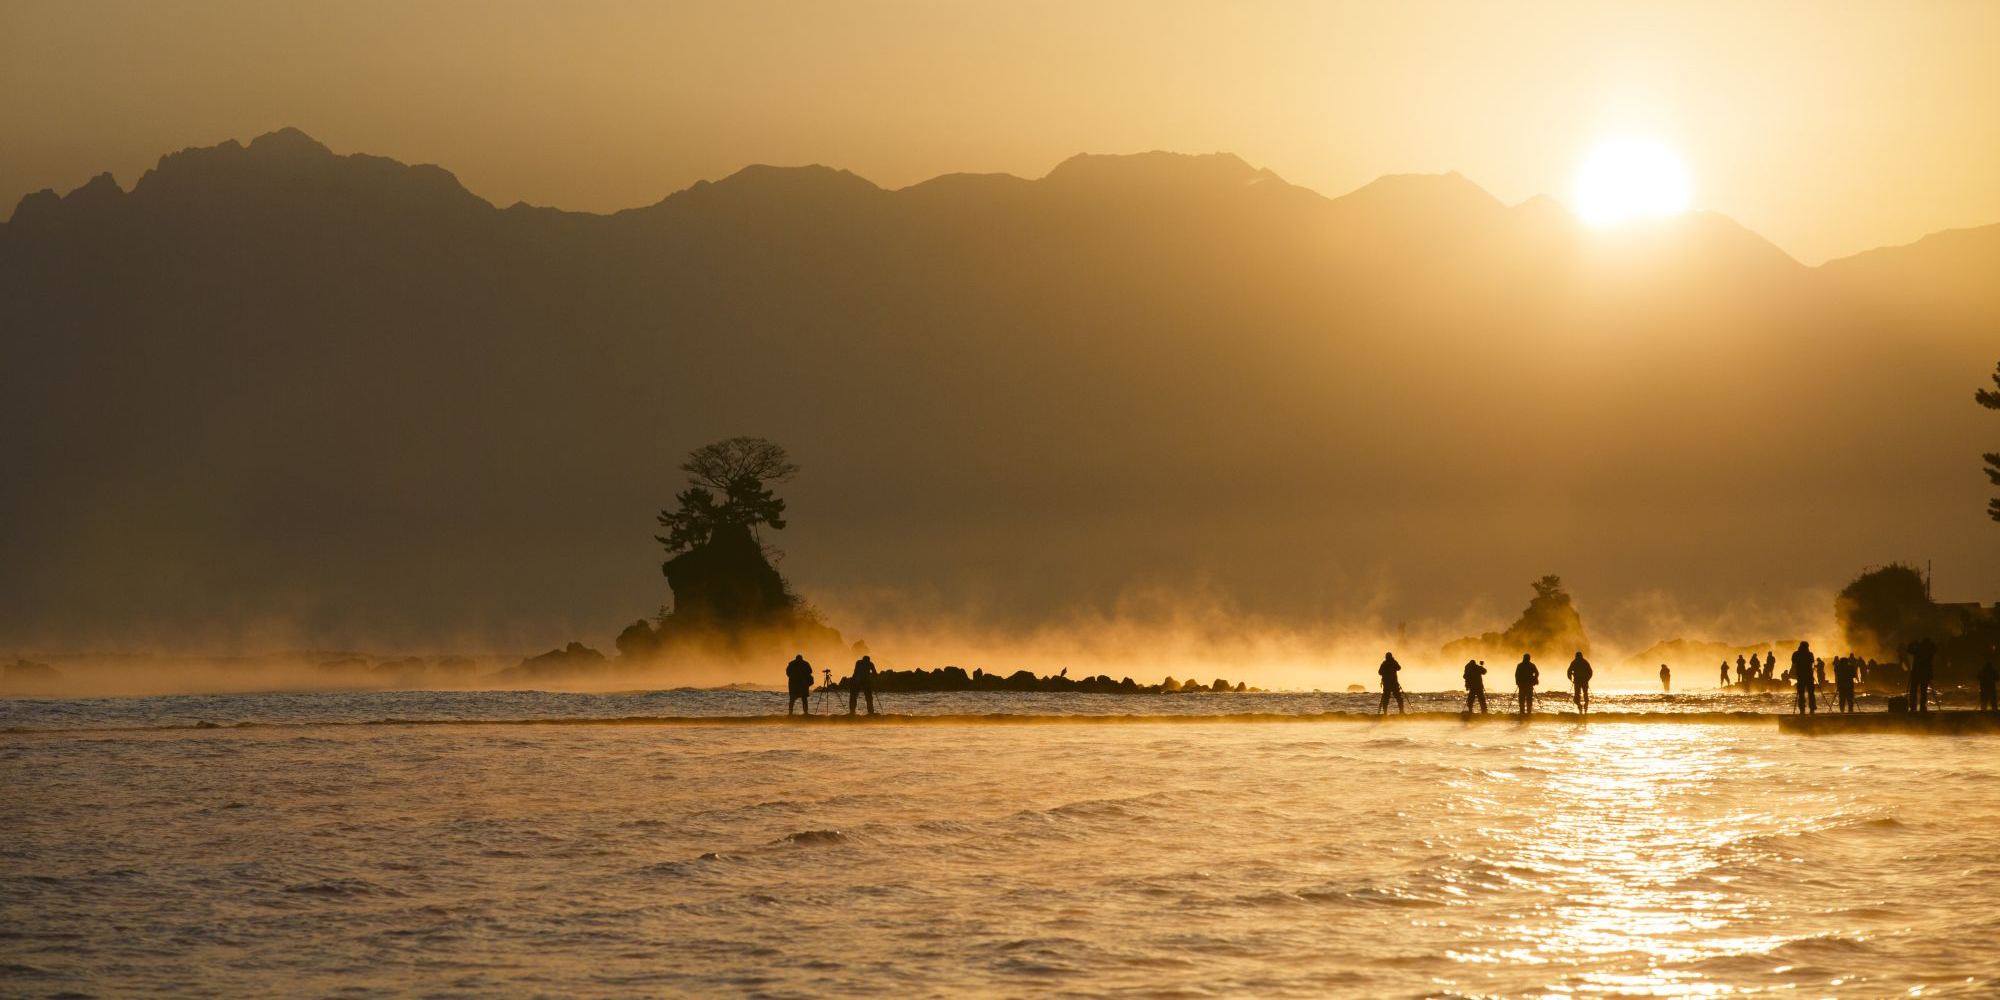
{"x": 1830, "y": 127}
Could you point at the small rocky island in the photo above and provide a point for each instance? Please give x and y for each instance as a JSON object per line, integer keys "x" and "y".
{"x": 730, "y": 602}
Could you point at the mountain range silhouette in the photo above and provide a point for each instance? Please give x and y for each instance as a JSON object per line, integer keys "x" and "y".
{"x": 273, "y": 389}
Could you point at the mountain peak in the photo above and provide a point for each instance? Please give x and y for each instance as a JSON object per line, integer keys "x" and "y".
{"x": 97, "y": 195}
{"x": 773, "y": 187}
{"x": 1543, "y": 206}
{"x": 1157, "y": 168}
{"x": 1450, "y": 191}
{"x": 764, "y": 178}
{"x": 290, "y": 165}
{"x": 101, "y": 188}
{"x": 289, "y": 141}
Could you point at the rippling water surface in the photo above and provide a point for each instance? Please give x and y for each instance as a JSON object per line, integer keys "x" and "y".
{"x": 1190, "y": 859}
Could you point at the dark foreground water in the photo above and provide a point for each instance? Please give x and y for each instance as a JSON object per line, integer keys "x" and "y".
{"x": 1191, "y": 859}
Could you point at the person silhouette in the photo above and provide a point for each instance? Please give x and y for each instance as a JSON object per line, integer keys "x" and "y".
{"x": 1802, "y": 675}
{"x": 1770, "y": 664}
{"x": 1391, "y": 686}
{"x": 1526, "y": 676}
{"x": 1989, "y": 687}
{"x": 1742, "y": 675}
{"x": 799, "y": 678}
{"x": 1725, "y": 673}
{"x": 1819, "y": 673}
{"x": 1579, "y": 679}
{"x": 1923, "y": 653}
{"x": 1844, "y": 669}
{"x": 1666, "y": 680}
{"x": 863, "y": 681}
{"x": 1475, "y": 686}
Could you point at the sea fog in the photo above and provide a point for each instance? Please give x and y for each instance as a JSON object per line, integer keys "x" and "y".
{"x": 1148, "y": 635}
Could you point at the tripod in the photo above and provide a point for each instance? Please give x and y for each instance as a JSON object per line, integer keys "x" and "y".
{"x": 825, "y": 686}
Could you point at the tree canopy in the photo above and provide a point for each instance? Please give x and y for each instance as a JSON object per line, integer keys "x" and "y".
{"x": 722, "y": 464}
{"x": 1883, "y": 609}
{"x": 741, "y": 469}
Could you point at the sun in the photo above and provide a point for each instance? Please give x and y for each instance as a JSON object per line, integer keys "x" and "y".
{"x": 1630, "y": 178}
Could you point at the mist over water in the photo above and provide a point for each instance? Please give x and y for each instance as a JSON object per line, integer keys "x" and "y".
{"x": 1196, "y": 859}
{"x": 1148, "y": 634}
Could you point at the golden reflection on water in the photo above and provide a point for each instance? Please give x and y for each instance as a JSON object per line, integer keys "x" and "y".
{"x": 1623, "y": 845}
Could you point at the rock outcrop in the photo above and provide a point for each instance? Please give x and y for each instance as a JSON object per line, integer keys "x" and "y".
{"x": 1549, "y": 628}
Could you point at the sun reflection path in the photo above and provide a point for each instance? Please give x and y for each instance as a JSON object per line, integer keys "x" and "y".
{"x": 1624, "y": 844}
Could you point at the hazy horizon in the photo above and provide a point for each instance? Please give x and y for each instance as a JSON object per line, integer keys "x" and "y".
{"x": 948, "y": 564}
{"x": 125, "y": 183}
{"x": 1831, "y": 130}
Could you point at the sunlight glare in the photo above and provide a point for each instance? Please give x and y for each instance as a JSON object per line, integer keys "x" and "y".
{"x": 1629, "y": 178}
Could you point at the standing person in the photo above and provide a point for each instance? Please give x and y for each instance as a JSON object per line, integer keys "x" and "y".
{"x": 864, "y": 683}
{"x": 1770, "y": 664}
{"x": 1819, "y": 672}
{"x": 1725, "y": 673}
{"x": 1666, "y": 680}
{"x": 1391, "y": 687}
{"x": 1475, "y": 685}
{"x": 1742, "y": 675}
{"x": 1989, "y": 687}
{"x": 1922, "y": 653}
{"x": 1844, "y": 670}
{"x": 1802, "y": 675}
{"x": 1526, "y": 676}
{"x": 1579, "y": 679}
{"x": 799, "y": 678}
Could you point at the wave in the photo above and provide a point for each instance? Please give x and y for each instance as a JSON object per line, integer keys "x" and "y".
{"x": 341, "y": 887}
{"x": 813, "y": 838}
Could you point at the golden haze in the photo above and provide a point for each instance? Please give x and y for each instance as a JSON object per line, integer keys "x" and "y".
{"x": 1829, "y": 128}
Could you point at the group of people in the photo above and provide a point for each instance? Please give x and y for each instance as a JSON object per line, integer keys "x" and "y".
{"x": 1527, "y": 676}
{"x": 1807, "y": 673}
{"x": 1766, "y": 669}
{"x": 799, "y": 678}
{"x": 1754, "y": 669}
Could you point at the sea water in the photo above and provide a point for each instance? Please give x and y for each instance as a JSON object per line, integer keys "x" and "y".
{"x": 321, "y": 850}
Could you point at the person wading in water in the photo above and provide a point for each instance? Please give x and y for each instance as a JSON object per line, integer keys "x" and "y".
{"x": 1579, "y": 679}
{"x": 799, "y": 675}
{"x": 863, "y": 682}
{"x": 1844, "y": 669}
{"x": 1802, "y": 675}
{"x": 1391, "y": 686}
{"x": 1923, "y": 653}
{"x": 1475, "y": 685}
{"x": 1526, "y": 676}
{"x": 1666, "y": 679}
